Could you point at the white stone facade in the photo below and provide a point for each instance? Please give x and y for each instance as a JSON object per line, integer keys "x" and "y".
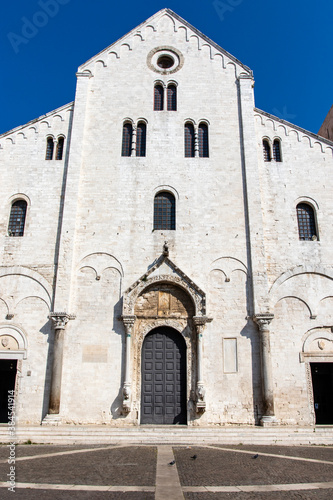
{"x": 259, "y": 308}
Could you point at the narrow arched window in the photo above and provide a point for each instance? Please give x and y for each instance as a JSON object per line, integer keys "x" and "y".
{"x": 189, "y": 140}
{"x": 49, "y": 148}
{"x": 158, "y": 98}
{"x": 266, "y": 150}
{"x": 172, "y": 98}
{"x": 164, "y": 211}
{"x": 17, "y": 218}
{"x": 60, "y": 148}
{"x": 203, "y": 140}
{"x": 141, "y": 139}
{"x": 306, "y": 222}
{"x": 127, "y": 139}
{"x": 276, "y": 150}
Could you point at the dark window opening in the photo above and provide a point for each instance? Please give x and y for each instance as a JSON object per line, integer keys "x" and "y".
{"x": 172, "y": 98}
{"x": 141, "y": 140}
{"x": 165, "y": 62}
{"x": 49, "y": 149}
{"x": 164, "y": 211}
{"x": 17, "y": 218}
{"x": 266, "y": 150}
{"x": 158, "y": 98}
{"x": 60, "y": 148}
{"x": 276, "y": 150}
{"x": 189, "y": 140}
{"x": 306, "y": 222}
{"x": 203, "y": 141}
{"x": 127, "y": 140}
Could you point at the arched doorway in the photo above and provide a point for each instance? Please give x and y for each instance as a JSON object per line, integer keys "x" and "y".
{"x": 163, "y": 378}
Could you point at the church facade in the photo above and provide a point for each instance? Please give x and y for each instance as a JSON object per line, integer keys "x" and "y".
{"x": 166, "y": 247}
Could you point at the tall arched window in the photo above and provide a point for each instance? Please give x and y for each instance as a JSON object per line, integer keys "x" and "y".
{"x": 127, "y": 139}
{"x": 60, "y": 148}
{"x": 306, "y": 222}
{"x": 164, "y": 211}
{"x": 189, "y": 140}
{"x": 49, "y": 148}
{"x": 172, "y": 98}
{"x": 276, "y": 150}
{"x": 158, "y": 97}
{"x": 17, "y": 218}
{"x": 266, "y": 150}
{"x": 141, "y": 139}
{"x": 203, "y": 140}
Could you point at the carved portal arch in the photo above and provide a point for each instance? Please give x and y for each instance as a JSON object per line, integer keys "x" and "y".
{"x": 13, "y": 342}
{"x": 164, "y": 296}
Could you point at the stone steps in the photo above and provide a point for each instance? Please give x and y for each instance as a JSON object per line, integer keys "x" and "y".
{"x": 103, "y": 434}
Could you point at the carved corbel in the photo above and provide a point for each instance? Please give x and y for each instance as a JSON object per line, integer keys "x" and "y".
{"x": 128, "y": 321}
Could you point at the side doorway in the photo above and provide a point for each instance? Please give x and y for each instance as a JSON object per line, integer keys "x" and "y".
{"x": 8, "y": 369}
{"x": 322, "y": 382}
{"x": 163, "y": 378}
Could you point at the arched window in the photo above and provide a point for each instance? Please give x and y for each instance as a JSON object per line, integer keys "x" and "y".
{"x": 266, "y": 150}
{"x": 172, "y": 98}
{"x": 17, "y": 218}
{"x": 203, "y": 140}
{"x": 158, "y": 98}
{"x": 189, "y": 140}
{"x": 306, "y": 222}
{"x": 141, "y": 139}
{"x": 49, "y": 148}
{"x": 60, "y": 148}
{"x": 276, "y": 150}
{"x": 164, "y": 211}
{"x": 127, "y": 139}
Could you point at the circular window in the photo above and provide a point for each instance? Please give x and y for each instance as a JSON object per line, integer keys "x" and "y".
{"x": 165, "y": 62}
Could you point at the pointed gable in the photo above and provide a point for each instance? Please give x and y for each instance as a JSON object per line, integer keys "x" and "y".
{"x": 164, "y": 22}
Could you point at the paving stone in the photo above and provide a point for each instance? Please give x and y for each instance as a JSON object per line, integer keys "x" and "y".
{"x": 119, "y": 466}
{"x": 223, "y": 468}
{"x": 26, "y": 494}
{"x": 273, "y": 495}
{"x": 315, "y": 452}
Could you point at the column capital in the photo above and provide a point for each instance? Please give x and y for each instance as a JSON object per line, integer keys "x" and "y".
{"x": 263, "y": 320}
{"x": 60, "y": 319}
{"x": 128, "y": 321}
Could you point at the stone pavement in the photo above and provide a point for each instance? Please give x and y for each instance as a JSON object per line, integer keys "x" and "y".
{"x": 142, "y": 472}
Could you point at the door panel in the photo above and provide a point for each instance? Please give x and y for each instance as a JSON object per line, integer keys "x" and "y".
{"x": 163, "y": 394}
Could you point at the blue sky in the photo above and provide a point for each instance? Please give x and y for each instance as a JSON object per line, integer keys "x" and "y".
{"x": 287, "y": 44}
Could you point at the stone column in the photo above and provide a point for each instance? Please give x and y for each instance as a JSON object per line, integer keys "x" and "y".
{"x": 196, "y": 142}
{"x": 263, "y": 322}
{"x": 200, "y": 322}
{"x": 60, "y": 321}
{"x": 127, "y": 392}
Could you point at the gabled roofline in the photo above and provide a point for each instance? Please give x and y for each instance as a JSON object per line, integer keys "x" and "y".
{"x": 181, "y": 20}
{"x": 62, "y": 108}
{"x": 292, "y": 125}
